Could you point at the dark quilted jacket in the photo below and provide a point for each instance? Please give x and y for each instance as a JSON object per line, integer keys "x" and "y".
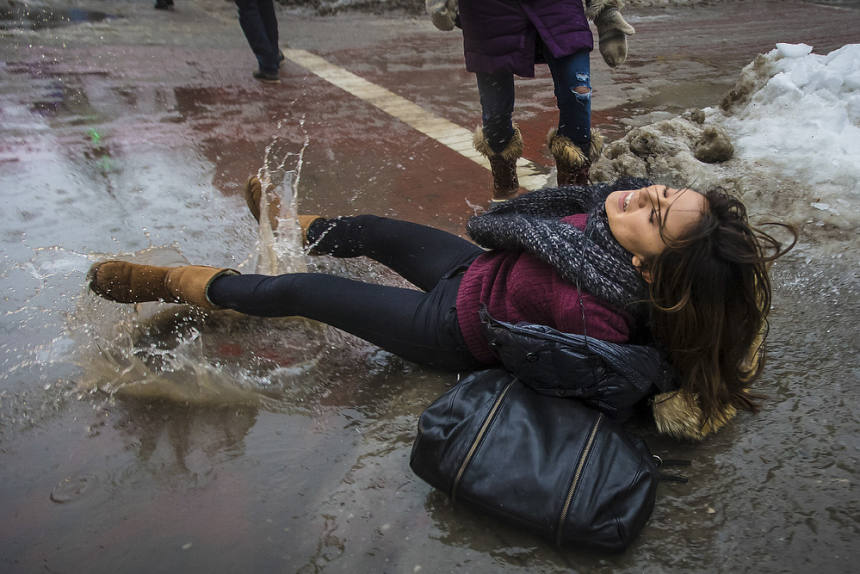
{"x": 606, "y": 376}
{"x": 501, "y": 35}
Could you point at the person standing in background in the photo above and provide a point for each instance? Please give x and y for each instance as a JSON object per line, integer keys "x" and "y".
{"x": 260, "y": 26}
{"x": 503, "y": 38}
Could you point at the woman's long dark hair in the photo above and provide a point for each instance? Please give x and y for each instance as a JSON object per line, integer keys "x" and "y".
{"x": 710, "y": 295}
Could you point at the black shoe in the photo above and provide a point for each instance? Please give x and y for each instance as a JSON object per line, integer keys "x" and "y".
{"x": 164, "y": 5}
{"x": 267, "y": 78}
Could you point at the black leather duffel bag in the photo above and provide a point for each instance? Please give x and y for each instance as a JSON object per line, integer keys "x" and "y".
{"x": 550, "y": 465}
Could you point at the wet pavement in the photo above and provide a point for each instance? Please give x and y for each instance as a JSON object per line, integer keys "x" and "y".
{"x": 282, "y": 446}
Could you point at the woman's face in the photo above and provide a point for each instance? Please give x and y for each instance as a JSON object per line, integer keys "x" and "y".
{"x": 636, "y": 216}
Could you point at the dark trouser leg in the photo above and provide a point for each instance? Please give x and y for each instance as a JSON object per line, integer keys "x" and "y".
{"x": 420, "y": 254}
{"x": 417, "y": 326}
{"x": 255, "y": 18}
{"x": 497, "y": 108}
{"x": 270, "y": 21}
{"x": 420, "y": 326}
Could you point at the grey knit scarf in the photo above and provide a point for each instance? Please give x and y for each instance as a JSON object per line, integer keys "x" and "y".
{"x": 592, "y": 259}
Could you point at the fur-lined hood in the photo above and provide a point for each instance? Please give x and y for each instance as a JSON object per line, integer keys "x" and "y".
{"x": 678, "y": 413}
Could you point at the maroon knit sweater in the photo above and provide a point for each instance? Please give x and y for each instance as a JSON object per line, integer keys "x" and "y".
{"x": 516, "y": 286}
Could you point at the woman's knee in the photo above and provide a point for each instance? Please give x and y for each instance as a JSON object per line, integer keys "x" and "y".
{"x": 579, "y": 93}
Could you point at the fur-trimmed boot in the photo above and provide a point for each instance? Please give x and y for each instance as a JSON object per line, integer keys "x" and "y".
{"x": 253, "y": 196}
{"x": 126, "y": 282}
{"x": 504, "y": 164}
{"x": 571, "y": 162}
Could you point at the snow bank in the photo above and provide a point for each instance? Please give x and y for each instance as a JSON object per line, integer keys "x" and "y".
{"x": 787, "y": 139}
{"x": 806, "y": 118}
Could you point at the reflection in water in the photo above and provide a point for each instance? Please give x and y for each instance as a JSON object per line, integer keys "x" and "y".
{"x": 178, "y": 443}
{"x": 455, "y": 524}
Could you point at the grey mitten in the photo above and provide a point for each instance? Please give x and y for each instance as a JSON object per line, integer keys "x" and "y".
{"x": 612, "y": 30}
{"x": 443, "y": 13}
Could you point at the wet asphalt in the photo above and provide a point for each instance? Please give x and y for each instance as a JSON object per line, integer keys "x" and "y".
{"x": 126, "y": 129}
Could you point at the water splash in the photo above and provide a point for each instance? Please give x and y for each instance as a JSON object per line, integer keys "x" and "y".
{"x": 179, "y": 353}
{"x": 280, "y": 250}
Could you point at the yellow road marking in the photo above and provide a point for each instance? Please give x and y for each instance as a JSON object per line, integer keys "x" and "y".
{"x": 449, "y": 134}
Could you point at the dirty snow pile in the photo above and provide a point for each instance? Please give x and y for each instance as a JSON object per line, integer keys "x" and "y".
{"x": 806, "y": 118}
{"x": 787, "y": 135}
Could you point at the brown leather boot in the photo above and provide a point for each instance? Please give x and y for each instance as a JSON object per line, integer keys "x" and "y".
{"x": 253, "y": 196}
{"x": 126, "y": 282}
{"x": 571, "y": 162}
{"x": 506, "y": 185}
{"x": 305, "y": 222}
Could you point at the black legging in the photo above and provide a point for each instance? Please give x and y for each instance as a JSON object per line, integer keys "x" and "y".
{"x": 420, "y": 326}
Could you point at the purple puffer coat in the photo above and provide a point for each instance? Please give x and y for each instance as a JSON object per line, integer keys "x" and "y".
{"x": 501, "y": 35}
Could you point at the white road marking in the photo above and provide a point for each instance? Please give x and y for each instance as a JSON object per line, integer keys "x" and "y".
{"x": 449, "y": 134}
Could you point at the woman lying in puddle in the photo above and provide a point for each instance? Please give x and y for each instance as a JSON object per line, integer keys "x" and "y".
{"x": 628, "y": 263}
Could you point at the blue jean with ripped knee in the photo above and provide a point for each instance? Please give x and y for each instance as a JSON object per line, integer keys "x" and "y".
{"x": 574, "y": 109}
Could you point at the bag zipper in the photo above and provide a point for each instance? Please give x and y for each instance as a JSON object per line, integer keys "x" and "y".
{"x": 569, "y": 499}
{"x": 481, "y": 432}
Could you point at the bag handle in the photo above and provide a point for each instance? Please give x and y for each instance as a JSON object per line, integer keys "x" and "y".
{"x": 672, "y": 462}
